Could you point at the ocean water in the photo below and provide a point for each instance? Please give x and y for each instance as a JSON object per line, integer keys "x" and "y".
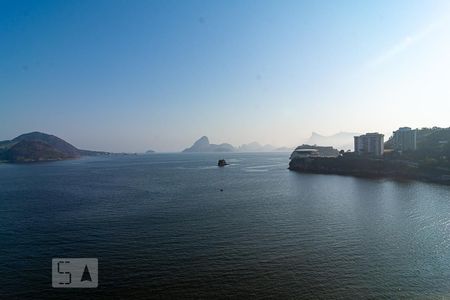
{"x": 161, "y": 227}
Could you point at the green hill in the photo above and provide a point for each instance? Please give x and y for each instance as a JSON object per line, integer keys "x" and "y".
{"x": 431, "y": 142}
{"x": 38, "y": 146}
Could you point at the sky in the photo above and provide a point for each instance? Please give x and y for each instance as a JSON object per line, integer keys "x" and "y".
{"x": 137, "y": 75}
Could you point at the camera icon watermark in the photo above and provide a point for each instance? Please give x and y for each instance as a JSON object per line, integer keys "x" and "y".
{"x": 75, "y": 272}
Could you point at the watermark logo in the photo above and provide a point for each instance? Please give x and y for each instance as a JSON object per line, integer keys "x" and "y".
{"x": 74, "y": 272}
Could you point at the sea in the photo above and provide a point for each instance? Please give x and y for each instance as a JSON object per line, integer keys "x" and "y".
{"x": 176, "y": 226}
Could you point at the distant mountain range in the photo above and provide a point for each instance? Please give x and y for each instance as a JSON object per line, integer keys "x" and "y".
{"x": 255, "y": 147}
{"x": 38, "y": 146}
{"x": 341, "y": 140}
{"x": 203, "y": 145}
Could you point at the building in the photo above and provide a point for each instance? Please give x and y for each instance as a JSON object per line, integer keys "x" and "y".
{"x": 314, "y": 151}
{"x": 304, "y": 153}
{"x": 405, "y": 139}
{"x": 370, "y": 144}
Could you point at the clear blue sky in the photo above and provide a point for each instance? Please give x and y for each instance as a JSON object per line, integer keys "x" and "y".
{"x": 137, "y": 75}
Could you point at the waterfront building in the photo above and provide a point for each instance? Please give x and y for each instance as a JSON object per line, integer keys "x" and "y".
{"x": 370, "y": 144}
{"x": 304, "y": 153}
{"x": 314, "y": 151}
{"x": 405, "y": 139}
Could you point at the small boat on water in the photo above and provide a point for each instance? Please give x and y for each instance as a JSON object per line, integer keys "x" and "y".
{"x": 222, "y": 163}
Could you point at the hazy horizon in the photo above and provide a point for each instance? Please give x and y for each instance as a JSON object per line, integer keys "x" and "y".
{"x": 212, "y": 141}
{"x": 127, "y": 76}
{"x": 299, "y": 142}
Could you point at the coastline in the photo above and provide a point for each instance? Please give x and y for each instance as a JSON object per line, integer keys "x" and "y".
{"x": 370, "y": 168}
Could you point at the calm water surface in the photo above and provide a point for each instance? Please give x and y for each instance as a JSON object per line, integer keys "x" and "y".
{"x": 161, "y": 228}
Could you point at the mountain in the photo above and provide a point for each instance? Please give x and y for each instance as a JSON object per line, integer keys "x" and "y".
{"x": 255, "y": 147}
{"x": 341, "y": 140}
{"x": 38, "y": 146}
{"x": 203, "y": 145}
{"x": 28, "y": 151}
{"x": 53, "y": 141}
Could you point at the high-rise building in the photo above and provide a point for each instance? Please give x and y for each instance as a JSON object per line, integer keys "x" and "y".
{"x": 405, "y": 139}
{"x": 370, "y": 143}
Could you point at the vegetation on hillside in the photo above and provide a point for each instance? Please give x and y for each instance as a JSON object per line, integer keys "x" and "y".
{"x": 433, "y": 148}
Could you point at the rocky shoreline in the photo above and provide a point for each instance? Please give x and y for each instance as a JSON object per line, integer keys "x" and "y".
{"x": 370, "y": 168}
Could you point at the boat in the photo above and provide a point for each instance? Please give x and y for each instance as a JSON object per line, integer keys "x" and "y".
{"x": 222, "y": 163}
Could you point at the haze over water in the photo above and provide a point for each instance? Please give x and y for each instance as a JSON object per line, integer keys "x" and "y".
{"x": 160, "y": 227}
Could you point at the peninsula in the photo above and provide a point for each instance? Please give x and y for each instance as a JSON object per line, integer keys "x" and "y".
{"x": 421, "y": 154}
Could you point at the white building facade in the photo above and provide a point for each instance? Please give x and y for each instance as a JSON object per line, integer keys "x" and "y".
{"x": 370, "y": 144}
{"x": 405, "y": 139}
